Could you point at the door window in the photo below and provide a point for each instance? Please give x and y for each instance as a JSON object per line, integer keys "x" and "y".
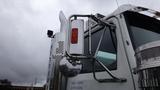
{"x": 106, "y": 53}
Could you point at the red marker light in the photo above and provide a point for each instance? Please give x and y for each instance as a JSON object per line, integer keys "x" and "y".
{"x": 74, "y": 36}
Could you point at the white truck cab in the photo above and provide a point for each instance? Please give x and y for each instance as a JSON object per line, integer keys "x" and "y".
{"x": 116, "y": 52}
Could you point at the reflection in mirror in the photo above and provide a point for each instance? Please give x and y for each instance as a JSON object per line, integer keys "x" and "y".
{"x": 107, "y": 58}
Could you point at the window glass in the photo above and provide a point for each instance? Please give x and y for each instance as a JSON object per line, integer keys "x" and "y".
{"x": 87, "y": 63}
{"x": 142, "y": 29}
{"x": 143, "y": 36}
{"x": 106, "y": 53}
{"x": 95, "y": 40}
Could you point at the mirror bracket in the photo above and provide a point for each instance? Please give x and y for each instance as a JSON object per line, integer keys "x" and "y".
{"x": 113, "y": 79}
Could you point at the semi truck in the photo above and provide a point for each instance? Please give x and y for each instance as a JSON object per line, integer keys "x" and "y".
{"x": 120, "y": 51}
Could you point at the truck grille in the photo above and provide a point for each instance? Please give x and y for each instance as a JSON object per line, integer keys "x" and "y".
{"x": 149, "y": 79}
{"x": 148, "y": 66}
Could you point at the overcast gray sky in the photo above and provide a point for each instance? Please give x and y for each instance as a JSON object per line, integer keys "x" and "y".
{"x": 24, "y": 46}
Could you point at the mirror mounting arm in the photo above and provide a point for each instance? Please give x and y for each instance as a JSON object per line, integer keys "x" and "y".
{"x": 74, "y": 57}
{"x": 114, "y": 78}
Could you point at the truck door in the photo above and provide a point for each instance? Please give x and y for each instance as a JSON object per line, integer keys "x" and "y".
{"x": 107, "y": 46}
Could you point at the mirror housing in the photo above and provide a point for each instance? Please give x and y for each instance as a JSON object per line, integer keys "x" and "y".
{"x": 76, "y": 37}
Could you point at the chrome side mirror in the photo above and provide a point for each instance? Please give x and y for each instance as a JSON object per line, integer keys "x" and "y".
{"x": 70, "y": 69}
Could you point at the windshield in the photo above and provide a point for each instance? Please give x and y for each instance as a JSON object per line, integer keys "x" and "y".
{"x": 142, "y": 29}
